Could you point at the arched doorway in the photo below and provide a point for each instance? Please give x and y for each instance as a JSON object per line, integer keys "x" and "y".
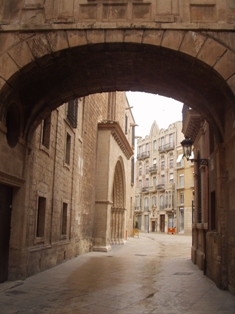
{"x": 118, "y": 208}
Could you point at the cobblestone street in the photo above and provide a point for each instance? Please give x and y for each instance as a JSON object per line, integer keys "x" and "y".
{"x": 150, "y": 274}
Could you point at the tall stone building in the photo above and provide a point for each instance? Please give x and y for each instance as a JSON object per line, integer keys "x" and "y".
{"x": 159, "y": 206}
{"x": 77, "y": 192}
{"x": 209, "y": 217}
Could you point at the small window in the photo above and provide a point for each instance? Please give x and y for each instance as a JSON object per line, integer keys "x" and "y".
{"x": 132, "y": 170}
{"x": 41, "y": 214}
{"x": 181, "y": 181}
{"x": 133, "y": 136}
{"x": 154, "y": 181}
{"x": 147, "y": 182}
{"x": 72, "y": 113}
{"x": 147, "y": 147}
{"x": 64, "y": 219}
{"x": 68, "y": 148}
{"x": 181, "y": 198}
{"x": 154, "y": 201}
{"x": 126, "y": 124}
{"x": 46, "y": 131}
{"x": 154, "y": 145}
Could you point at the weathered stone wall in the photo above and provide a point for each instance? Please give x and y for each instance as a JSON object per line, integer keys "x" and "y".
{"x": 69, "y": 12}
{"x": 47, "y": 174}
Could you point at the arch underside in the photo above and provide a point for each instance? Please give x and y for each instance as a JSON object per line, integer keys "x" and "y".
{"x": 54, "y": 79}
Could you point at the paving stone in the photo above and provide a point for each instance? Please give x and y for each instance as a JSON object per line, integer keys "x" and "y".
{"x": 141, "y": 277}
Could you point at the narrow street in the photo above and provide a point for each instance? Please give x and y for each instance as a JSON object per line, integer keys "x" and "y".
{"x": 150, "y": 274}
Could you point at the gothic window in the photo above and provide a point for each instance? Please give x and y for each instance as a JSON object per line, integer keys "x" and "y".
{"x": 132, "y": 170}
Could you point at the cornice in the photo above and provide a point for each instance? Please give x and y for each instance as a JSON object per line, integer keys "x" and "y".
{"x": 118, "y": 135}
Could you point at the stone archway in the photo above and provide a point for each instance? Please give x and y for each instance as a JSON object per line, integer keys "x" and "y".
{"x": 42, "y": 70}
{"x": 118, "y": 208}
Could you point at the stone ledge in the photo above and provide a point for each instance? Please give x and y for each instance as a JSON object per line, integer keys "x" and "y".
{"x": 53, "y": 25}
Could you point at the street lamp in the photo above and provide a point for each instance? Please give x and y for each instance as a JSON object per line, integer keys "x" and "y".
{"x": 187, "y": 144}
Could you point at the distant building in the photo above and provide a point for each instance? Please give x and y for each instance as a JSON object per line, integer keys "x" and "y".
{"x": 160, "y": 193}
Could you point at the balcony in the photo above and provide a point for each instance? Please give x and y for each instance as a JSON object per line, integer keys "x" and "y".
{"x": 170, "y": 186}
{"x": 145, "y": 189}
{"x": 146, "y": 209}
{"x": 166, "y": 147}
{"x": 191, "y": 122}
{"x": 180, "y": 186}
{"x": 160, "y": 187}
{"x": 138, "y": 209}
{"x": 143, "y": 155}
{"x": 153, "y": 169}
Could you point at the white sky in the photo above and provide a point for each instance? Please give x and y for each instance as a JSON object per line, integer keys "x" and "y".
{"x": 150, "y": 107}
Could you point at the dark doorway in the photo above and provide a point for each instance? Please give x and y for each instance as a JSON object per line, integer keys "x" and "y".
{"x": 153, "y": 226}
{"x": 5, "y": 227}
{"x": 162, "y": 223}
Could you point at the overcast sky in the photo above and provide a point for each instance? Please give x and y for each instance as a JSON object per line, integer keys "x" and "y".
{"x": 150, "y": 107}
